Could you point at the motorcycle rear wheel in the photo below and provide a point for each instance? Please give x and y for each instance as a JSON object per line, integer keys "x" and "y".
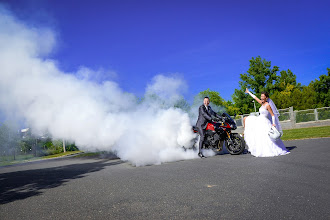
{"x": 237, "y": 145}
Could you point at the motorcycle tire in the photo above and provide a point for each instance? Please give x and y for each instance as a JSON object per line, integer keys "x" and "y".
{"x": 237, "y": 146}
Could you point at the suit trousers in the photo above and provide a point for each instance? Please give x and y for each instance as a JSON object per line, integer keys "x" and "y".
{"x": 201, "y": 132}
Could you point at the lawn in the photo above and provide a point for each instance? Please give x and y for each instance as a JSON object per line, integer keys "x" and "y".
{"x": 89, "y": 154}
{"x": 303, "y": 133}
{"x": 9, "y": 160}
{"x": 61, "y": 154}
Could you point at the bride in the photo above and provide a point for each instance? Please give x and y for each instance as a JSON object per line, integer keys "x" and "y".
{"x": 256, "y": 129}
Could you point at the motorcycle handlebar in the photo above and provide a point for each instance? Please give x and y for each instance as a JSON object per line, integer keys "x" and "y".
{"x": 216, "y": 119}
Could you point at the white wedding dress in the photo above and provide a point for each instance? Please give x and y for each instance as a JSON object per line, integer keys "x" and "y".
{"x": 257, "y": 139}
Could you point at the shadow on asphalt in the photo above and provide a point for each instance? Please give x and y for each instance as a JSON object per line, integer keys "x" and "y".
{"x": 291, "y": 148}
{"x": 23, "y": 184}
{"x": 225, "y": 151}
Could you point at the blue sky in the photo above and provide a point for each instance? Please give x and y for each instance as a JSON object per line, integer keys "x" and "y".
{"x": 208, "y": 43}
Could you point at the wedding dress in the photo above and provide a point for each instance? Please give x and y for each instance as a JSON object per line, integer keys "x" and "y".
{"x": 257, "y": 139}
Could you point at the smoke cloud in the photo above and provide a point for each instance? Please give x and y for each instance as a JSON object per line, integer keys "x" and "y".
{"x": 96, "y": 116}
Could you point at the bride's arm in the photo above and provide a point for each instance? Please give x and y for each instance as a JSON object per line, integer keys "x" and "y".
{"x": 253, "y": 96}
{"x": 271, "y": 113}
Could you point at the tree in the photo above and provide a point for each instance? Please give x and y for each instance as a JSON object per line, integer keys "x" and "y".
{"x": 321, "y": 87}
{"x": 299, "y": 97}
{"x": 214, "y": 96}
{"x": 231, "y": 109}
{"x": 215, "y": 99}
{"x": 316, "y": 94}
{"x": 283, "y": 98}
{"x": 308, "y": 98}
{"x": 218, "y": 102}
{"x": 286, "y": 78}
{"x": 259, "y": 77}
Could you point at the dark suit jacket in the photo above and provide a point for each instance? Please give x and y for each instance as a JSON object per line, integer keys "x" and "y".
{"x": 205, "y": 116}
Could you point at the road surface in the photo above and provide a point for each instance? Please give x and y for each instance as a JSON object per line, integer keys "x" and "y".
{"x": 293, "y": 186}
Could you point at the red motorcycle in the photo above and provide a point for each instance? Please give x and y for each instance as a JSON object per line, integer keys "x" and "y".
{"x": 219, "y": 131}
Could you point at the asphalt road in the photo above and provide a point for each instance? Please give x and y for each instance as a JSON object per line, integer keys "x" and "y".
{"x": 294, "y": 186}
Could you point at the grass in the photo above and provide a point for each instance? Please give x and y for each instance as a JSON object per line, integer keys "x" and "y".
{"x": 61, "y": 154}
{"x": 17, "y": 157}
{"x": 304, "y": 133}
{"x": 89, "y": 154}
{"x": 9, "y": 160}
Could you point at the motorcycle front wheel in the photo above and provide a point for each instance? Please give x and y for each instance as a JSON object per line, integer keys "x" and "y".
{"x": 236, "y": 144}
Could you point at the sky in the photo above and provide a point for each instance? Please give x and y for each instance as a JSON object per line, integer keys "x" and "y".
{"x": 207, "y": 43}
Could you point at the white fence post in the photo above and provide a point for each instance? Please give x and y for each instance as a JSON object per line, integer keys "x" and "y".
{"x": 316, "y": 115}
{"x": 292, "y": 117}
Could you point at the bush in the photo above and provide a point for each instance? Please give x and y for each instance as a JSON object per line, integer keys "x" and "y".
{"x": 324, "y": 114}
{"x": 284, "y": 116}
{"x": 71, "y": 147}
{"x": 305, "y": 116}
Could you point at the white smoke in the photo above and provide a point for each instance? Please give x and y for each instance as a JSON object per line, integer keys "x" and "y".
{"x": 96, "y": 116}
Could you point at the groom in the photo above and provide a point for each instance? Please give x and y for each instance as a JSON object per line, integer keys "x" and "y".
{"x": 205, "y": 113}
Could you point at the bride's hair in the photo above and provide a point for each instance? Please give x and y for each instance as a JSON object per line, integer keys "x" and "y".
{"x": 266, "y": 94}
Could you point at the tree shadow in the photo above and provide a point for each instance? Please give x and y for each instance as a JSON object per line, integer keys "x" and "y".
{"x": 23, "y": 184}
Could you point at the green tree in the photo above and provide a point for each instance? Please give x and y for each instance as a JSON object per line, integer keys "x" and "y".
{"x": 299, "y": 97}
{"x": 304, "y": 98}
{"x": 286, "y": 78}
{"x": 218, "y": 101}
{"x": 214, "y": 96}
{"x": 321, "y": 87}
{"x": 290, "y": 93}
{"x": 259, "y": 77}
{"x": 231, "y": 109}
{"x": 283, "y": 98}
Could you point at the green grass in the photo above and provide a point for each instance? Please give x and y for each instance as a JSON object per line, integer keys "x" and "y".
{"x": 17, "y": 157}
{"x": 303, "y": 133}
{"x": 61, "y": 154}
{"x": 89, "y": 154}
{"x": 9, "y": 160}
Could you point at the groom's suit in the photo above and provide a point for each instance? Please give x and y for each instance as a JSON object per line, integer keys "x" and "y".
{"x": 204, "y": 116}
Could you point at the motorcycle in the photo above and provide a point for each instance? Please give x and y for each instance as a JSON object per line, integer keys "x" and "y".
{"x": 219, "y": 131}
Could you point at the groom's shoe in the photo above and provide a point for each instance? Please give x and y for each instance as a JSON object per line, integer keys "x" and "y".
{"x": 201, "y": 155}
